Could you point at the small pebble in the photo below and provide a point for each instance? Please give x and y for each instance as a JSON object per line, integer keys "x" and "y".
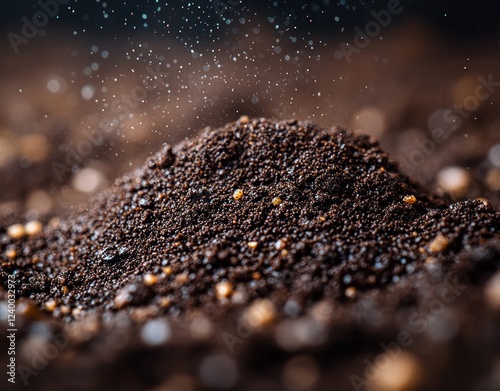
{"x": 276, "y": 201}
{"x": 252, "y": 245}
{"x": 65, "y": 310}
{"x": 256, "y": 276}
{"x": 260, "y": 313}
{"x": 11, "y": 253}
{"x": 16, "y": 231}
{"x": 182, "y": 278}
{"x": 50, "y": 305}
{"x": 410, "y": 199}
{"x": 164, "y": 302}
{"x": 280, "y": 244}
{"x": 244, "y": 119}
{"x": 142, "y": 314}
{"x": 150, "y": 279}
{"x": 439, "y": 244}
{"x": 351, "y": 292}
{"x": 238, "y": 194}
{"x": 223, "y": 290}
{"x": 33, "y": 228}
{"x": 167, "y": 270}
{"x": 122, "y": 299}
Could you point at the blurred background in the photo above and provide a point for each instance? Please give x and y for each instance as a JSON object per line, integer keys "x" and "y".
{"x": 90, "y": 89}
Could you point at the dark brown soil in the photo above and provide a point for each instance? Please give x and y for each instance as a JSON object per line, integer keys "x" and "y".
{"x": 275, "y": 209}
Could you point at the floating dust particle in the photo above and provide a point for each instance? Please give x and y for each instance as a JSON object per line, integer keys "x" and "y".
{"x": 16, "y": 231}
{"x": 223, "y": 290}
{"x": 150, "y": 279}
{"x": 167, "y": 270}
{"x": 351, "y": 292}
{"x": 439, "y": 244}
{"x": 492, "y": 291}
{"x": 11, "y": 253}
{"x": 238, "y": 194}
{"x": 410, "y": 199}
{"x": 50, "y": 305}
{"x": 276, "y": 201}
{"x": 401, "y": 373}
{"x": 253, "y": 245}
{"x": 244, "y": 119}
{"x": 260, "y": 313}
{"x": 33, "y": 228}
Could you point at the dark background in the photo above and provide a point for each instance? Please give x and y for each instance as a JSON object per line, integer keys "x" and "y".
{"x": 459, "y": 19}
